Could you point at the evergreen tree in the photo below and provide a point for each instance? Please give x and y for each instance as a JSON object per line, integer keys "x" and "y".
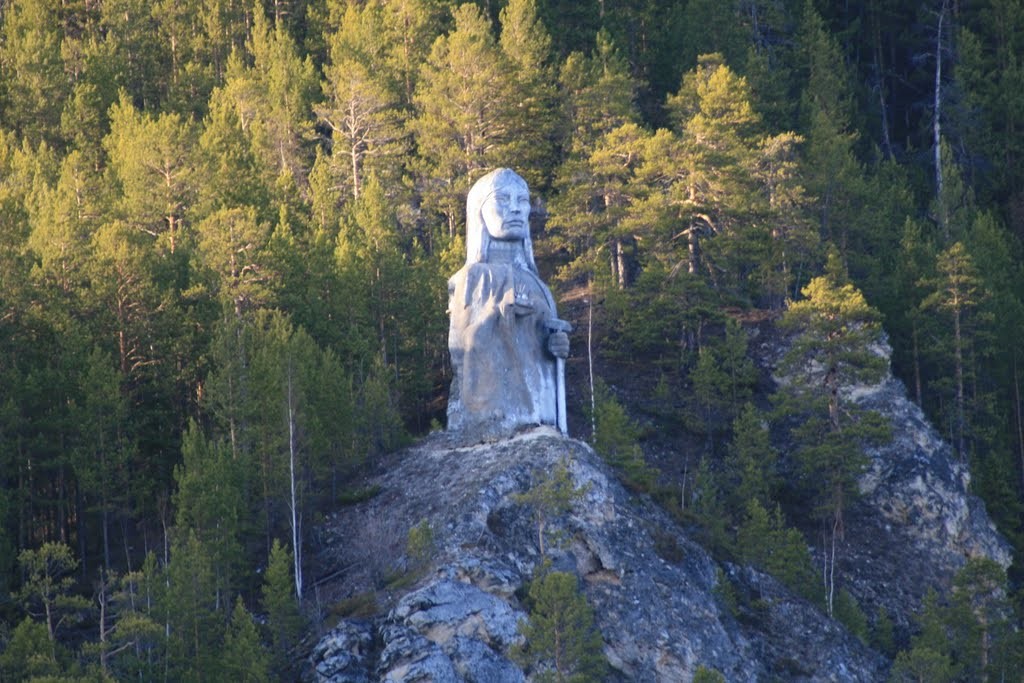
{"x": 836, "y": 329}
{"x": 33, "y": 81}
{"x": 363, "y": 102}
{"x": 464, "y": 121}
{"x": 209, "y": 504}
{"x": 527, "y": 45}
{"x": 764, "y": 540}
{"x": 833, "y": 174}
{"x": 616, "y": 439}
{"x": 551, "y": 498}
{"x": 708, "y": 183}
{"x": 244, "y": 659}
{"x": 956, "y": 291}
{"x": 194, "y": 628}
{"x": 281, "y": 603}
{"x": 29, "y": 653}
{"x": 45, "y": 591}
{"x": 751, "y": 461}
{"x": 233, "y": 245}
{"x": 154, "y": 164}
{"x": 562, "y": 642}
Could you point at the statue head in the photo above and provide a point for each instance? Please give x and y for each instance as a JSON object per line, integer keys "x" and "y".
{"x": 498, "y": 209}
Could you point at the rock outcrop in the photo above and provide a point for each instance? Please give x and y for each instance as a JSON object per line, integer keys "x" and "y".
{"x": 656, "y": 594}
{"x": 915, "y": 523}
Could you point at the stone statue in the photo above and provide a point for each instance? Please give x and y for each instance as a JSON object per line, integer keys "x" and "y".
{"x": 506, "y": 341}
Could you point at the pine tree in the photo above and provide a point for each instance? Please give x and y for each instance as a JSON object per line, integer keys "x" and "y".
{"x": 244, "y": 659}
{"x": 153, "y": 159}
{"x": 209, "y": 504}
{"x": 232, "y": 245}
{"x": 956, "y": 291}
{"x": 833, "y": 174}
{"x": 194, "y": 628}
{"x": 553, "y": 497}
{"x": 46, "y": 588}
{"x": 527, "y": 45}
{"x": 281, "y": 603}
{"x": 752, "y": 461}
{"x": 708, "y": 177}
{"x": 363, "y": 103}
{"x": 29, "y": 654}
{"x": 34, "y": 85}
{"x": 562, "y": 642}
{"x": 836, "y": 329}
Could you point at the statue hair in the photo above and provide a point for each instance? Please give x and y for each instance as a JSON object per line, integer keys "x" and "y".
{"x": 478, "y": 240}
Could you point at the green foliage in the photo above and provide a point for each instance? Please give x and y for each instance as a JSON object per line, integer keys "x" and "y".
{"x": 562, "y": 641}
{"x": 849, "y": 614}
{"x": 29, "y": 653}
{"x": 46, "y": 588}
{"x": 616, "y": 440}
{"x": 882, "y": 636}
{"x": 750, "y": 465}
{"x": 209, "y": 504}
{"x": 419, "y": 545}
{"x": 190, "y": 603}
{"x": 551, "y": 498}
{"x": 764, "y": 540}
{"x": 968, "y": 638}
{"x": 706, "y": 675}
{"x": 921, "y": 664}
{"x": 244, "y": 659}
{"x": 284, "y": 620}
{"x": 835, "y": 330}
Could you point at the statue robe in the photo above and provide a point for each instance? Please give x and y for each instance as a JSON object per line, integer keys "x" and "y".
{"x": 503, "y": 374}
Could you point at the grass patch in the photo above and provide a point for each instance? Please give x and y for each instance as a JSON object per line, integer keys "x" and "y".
{"x": 358, "y": 495}
{"x": 361, "y": 605}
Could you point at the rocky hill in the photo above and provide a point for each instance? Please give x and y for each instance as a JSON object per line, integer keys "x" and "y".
{"x": 660, "y": 599}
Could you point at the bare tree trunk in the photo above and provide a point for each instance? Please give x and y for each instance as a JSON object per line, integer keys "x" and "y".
{"x": 1017, "y": 414}
{"x": 296, "y": 536}
{"x": 620, "y": 263}
{"x": 958, "y": 355}
{"x": 937, "y": 126}
{"x": 917, "y": 368}
{"x": 693, "y": 246}
{"x": 590, "y": 360}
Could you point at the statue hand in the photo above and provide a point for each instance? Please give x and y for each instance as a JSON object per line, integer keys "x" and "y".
{"x": 558, "y": 344}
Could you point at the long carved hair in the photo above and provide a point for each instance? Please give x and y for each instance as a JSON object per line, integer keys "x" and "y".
{"x": 478, "y": 240}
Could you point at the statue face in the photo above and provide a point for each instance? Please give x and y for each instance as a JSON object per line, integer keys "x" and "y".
{"x": 506, "y": 212}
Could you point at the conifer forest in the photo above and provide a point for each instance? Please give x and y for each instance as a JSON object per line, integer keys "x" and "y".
{"x": 226, "y": 228}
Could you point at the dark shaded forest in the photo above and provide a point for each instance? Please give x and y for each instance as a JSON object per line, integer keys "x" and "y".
{"x": 226, "y": 227}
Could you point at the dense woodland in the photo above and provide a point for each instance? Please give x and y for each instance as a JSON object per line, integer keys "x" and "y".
{"x": 226, "y": 226}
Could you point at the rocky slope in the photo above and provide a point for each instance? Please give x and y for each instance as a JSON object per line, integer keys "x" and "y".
{"x": 660, "y": 617}
{"x": 658, "y": 596}
{"x": 915, "y": 524}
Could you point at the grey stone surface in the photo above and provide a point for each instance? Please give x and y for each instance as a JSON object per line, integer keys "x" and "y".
{"x": 660, "y": 618}
{"x": 915, "y": 523}
{"x": 342, "y": 655}
{"x": 505, "y": 372}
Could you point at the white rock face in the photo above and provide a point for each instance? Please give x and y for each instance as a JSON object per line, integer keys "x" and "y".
{"x": 916, "y": 523}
